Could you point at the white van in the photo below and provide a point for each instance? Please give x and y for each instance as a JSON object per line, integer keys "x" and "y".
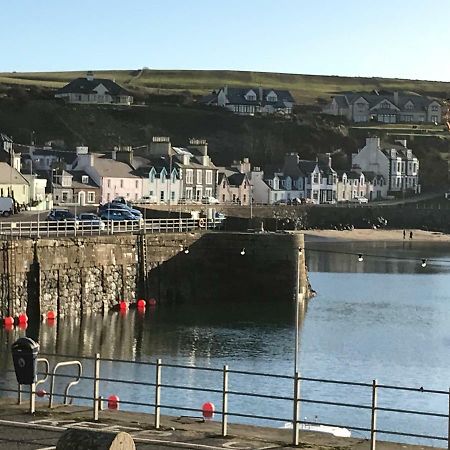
{"x": 6, "y": 206}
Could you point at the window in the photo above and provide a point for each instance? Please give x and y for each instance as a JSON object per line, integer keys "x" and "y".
{"x": 208, "y": 192}
{"x": 136, "y": 184}
{"x": 121, "y": 183}
{"x": 409, "y": 105}
{"x": 360, "y": 106}
{"x": 65, "y": 196}
{"x": 199, "y": 176}
{"x": 209, "y": 177}
{"x": 189, "y": 176}
{"x": 189, "y": 193}
{"x": 272, "y": 98}
{"x": 223, "y": 198}
{"x": 172, "y": 195}
{"x": 434, "y": 108}
{"x": 434, "y": 119}
{"x": 91, "y": 197}
{"x": 152, "y": 176}
{"x": 84, "y": 179}
{"x": 316, "y": 178}
{"x": 245, "y": 198}
{"x": 161, "y": 197}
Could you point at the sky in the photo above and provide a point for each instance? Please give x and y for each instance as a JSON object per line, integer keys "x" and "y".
{"x": 383, "y": 38}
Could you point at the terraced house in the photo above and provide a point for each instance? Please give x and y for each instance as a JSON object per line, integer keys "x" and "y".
{"x": 385, "y": 107}
{"x": 197, "y": 172}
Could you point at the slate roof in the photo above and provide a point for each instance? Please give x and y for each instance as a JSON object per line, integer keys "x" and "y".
{"x": 236, "y": 96}
{"x": 9, "y": 175}
{"x": 85, "y": 86}
{"x": 107, "y": 167}
{"x": 236, "y": 179}
{"x": 77, "y": 176}
{"x": 420, "y": 102}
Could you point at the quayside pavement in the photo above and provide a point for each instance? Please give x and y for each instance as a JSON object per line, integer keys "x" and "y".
{"x": 41, "y": 431}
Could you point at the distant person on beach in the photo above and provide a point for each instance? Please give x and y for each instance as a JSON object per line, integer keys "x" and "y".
{"x": 410, "y": 234}
{"x": 404, "y": 234}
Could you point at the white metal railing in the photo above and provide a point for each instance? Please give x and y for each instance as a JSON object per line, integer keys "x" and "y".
{"x": 76, "y": 228}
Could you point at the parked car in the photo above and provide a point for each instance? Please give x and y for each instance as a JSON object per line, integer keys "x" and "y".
{"x": 210, "y": 201}
{"x": 122, "y": 206}
{"x": 59, "y": 215}
{"x": 360, "y": 200}
{"x": 118, "y": 215}
{"x": 6, "y": 206}
{"x": 90, "y": 220}
{"x": 146, "y": 199}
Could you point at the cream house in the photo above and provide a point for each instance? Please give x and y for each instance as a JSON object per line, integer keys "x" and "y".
{"x": 94, "y": 91}
{"x": 13, "y": 184}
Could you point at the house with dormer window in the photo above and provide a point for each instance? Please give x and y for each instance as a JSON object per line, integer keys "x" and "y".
{"x": 250, "y": 101}
{"x": 385, "y": 107}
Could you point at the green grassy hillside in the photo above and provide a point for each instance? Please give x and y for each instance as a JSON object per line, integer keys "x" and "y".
{"x": 305, "y": 88}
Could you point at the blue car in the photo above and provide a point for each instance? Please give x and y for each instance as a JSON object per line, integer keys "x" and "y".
{"x": 119, "y": 215}
{"x": 120, "y": 206}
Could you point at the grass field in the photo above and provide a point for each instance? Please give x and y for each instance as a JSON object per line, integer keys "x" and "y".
{"x": 305, "y": 88}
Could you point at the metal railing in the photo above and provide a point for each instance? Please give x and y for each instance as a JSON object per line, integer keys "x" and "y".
{"x": 72, "y": 228}
{"x": 152, "y": 398}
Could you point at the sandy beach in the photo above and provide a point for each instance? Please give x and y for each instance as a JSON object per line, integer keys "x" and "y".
{"x": 377, "y": 235}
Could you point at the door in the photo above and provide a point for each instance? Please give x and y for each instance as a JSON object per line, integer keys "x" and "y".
{"x": 82, "y": 198}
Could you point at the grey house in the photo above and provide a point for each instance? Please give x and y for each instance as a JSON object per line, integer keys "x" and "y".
{"x": 392, "y": 107}
{"x": 251, "y": 100}
{"x": 197, "y": 172}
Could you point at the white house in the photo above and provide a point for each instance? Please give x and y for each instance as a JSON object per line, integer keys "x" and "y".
{"x": 395, "y": 162}
{"x": 164, "y": 183}
{"x": 94, "y": 91}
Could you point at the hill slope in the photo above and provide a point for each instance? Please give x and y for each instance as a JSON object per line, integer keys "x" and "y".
{"x": 305, "y": 88}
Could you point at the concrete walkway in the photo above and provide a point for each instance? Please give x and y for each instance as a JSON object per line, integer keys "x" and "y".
{"x": 41, "y": 431}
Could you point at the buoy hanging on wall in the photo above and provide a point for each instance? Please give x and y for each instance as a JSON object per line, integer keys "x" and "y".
{"x": 141, "y": 304}
{"x": 152, "y": 302}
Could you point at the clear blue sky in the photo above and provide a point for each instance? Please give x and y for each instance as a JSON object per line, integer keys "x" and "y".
{"x": 389, "y": 38}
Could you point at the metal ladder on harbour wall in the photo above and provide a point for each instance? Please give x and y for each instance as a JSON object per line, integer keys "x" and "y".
{"x": 143, "y": 262}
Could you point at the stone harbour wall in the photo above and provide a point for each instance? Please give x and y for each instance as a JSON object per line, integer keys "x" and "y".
{"x": 75, "y": 276}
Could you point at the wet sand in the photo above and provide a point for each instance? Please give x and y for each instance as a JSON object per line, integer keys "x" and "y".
{"x": 377, "y": 235}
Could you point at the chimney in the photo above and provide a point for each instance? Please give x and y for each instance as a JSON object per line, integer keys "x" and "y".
{"x": 396, "y": 98}
{"x": 199, "y": 144}
{"x": 125, "y": 155}
{"x": 90, "y": 76}
{"x": 160, "y": 146}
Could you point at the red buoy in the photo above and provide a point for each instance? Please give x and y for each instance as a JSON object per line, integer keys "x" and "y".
{"x": 23, "y": 326}
{"x": 41, "y": 393}
{"x": 7, "y": 321}
{"x": 141, "y": 304}
{"x": 51, "y": 315}
{"x": 23, "y": 318}
{"x": 113, "y": 402}
{"x": 208, "y": 410}
{"x": 152, "y": 302}
{"x": 123, "y": 305}
{"x": 9, "y": 327}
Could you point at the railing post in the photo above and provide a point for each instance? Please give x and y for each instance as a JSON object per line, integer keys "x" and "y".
{"x": 96, "y": 385}
{"x": 225, "y": 402}
{"x": 448, "y": 429}
{"x": 19, "y": 394}
{"x": 373, "y": 422}
{"x": 296, "y": 412}
{"x": 32, "y": 398}
{"x": 158, "y": 395}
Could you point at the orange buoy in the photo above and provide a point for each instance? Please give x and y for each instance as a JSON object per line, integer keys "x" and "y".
{"x": 41, "y": 393}
{"x": 23, "y": 318}
{"x": 113, "y": 402}
{"x": 51, "y": 315}
{"x": 7, "y": 321}
{"x": 152, "y": 302}
{"x": 208, "y": 410}
{"x": 141, "y": 304}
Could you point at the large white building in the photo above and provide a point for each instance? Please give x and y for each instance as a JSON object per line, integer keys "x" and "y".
{"x": 395, "y": 162}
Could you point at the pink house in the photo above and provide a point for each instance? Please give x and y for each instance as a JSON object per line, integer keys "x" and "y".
{"x": 116, "y": 178}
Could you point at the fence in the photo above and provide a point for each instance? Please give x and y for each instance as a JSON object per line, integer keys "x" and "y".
{"x": 78, "y": 228}
{"x": 160, "y": 385}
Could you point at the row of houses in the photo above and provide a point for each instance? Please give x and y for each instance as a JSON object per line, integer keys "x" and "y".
{"x": 167, "y": 174}
{"x": 387, "y": 107}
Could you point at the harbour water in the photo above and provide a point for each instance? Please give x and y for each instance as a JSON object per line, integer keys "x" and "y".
{"x": 385, "y": 318}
